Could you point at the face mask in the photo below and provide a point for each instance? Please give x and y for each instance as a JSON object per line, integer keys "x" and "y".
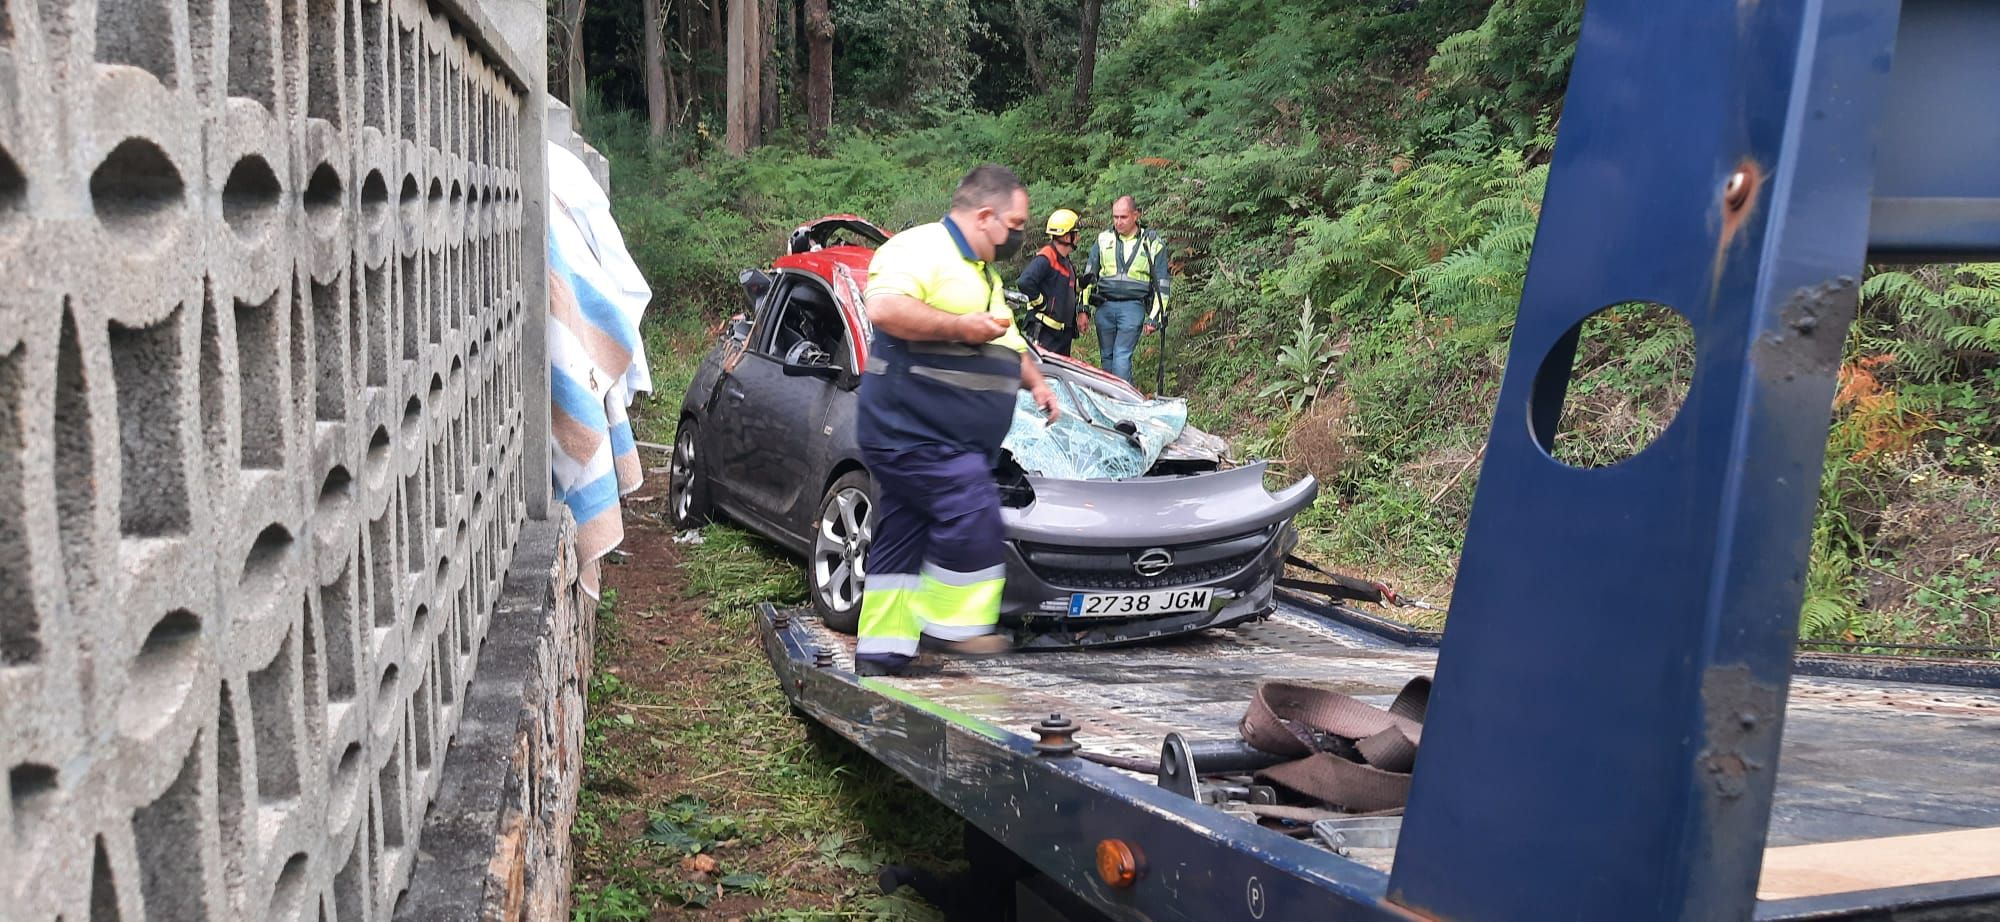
{"x": 1011, "y": 246}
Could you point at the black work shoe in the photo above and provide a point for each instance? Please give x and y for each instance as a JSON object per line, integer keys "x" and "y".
{"x": 881, "y": 664}
{"x": 982, "y": 645}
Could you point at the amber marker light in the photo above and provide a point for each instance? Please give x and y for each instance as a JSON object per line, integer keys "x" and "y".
{"x": 1119, "y": 864}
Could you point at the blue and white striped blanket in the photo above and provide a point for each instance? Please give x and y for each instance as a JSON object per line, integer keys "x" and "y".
{"x": 596, "y": 360}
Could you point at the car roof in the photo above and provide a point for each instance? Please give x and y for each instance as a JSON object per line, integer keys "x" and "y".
{"x": 824, "y": 263}
{"x": 821, "y": 262}
{"x": 829, "y": 264}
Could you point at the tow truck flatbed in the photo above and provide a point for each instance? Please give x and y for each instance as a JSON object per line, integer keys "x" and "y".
{"x": 1865, "y": 763}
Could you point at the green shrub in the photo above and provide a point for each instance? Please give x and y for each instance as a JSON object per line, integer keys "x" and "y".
{"x": 1380, "y": 166}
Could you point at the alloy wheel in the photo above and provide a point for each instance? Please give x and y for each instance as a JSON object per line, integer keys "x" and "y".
{"x": 680, "y": 476}
{"x": 840, "y": 548}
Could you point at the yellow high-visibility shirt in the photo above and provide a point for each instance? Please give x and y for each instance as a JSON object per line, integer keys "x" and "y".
{"x": 933, "y": 264}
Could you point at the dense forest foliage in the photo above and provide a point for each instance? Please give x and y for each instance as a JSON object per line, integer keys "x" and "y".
{"x": 1351, "y": 190}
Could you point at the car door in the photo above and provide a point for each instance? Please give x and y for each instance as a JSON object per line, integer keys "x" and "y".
{"x": 766, "y": 440}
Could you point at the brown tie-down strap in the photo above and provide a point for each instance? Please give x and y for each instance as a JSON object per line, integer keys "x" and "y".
{"x": 1352, "y": 755}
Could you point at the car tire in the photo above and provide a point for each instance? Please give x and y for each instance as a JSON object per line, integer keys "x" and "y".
{"x": 837, "y": 568}
{"x": 687, "y": 480}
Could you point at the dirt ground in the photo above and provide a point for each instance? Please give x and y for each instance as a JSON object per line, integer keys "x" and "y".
{"x": 704, "y": 796}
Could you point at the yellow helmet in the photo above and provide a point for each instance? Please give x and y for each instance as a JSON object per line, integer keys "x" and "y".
{"x": 1061, "y": 221}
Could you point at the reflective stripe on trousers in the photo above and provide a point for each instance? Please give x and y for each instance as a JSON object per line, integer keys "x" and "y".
{"x": 936, "y": 564}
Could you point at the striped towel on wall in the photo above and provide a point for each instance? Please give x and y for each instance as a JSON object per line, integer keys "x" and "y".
{"x": 596, "y": 360}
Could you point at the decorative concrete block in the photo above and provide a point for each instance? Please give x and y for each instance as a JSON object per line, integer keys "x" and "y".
{"x": 497, "y": 842}
{"x": 262, "y": 440}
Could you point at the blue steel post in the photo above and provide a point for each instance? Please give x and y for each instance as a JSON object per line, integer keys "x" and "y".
{"x": 1604, "y": 730}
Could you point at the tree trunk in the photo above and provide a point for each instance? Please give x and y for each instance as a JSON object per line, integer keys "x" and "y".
{"x": 759, "y": 48}
{"x": 1031, "y": 47}
{"x": 574, "y": 82}
{"x": 819, "y": 78}
{"x": 1086, "y": 57}
{"x": 690, "y": 87}
{"x": 793, "y": 82}
{"x": 669, "y": 40}
{"x": 718, "y": 43}
{"x": 675, "y": 106}
{"x": 767, "y": 114}
{"x": 656, "y": 76}
{"x": 746, "y": 70}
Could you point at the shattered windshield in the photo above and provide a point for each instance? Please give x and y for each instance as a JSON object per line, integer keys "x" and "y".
{"x": 1096, "y": 438}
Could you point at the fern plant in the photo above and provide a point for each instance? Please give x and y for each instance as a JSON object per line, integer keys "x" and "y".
{"x": 1938, "y": 322}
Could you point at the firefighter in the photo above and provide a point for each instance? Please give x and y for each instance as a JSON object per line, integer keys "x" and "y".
{"x": 1054, "y": 316}
{"x": 944, "y": 369}
{"x": 1125, "y": 279}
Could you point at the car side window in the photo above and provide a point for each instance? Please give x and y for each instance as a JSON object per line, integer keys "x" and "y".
{"x": 804, "y": 327}
{"x": 770, "y": 311}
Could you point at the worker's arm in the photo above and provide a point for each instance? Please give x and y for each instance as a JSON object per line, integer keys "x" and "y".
{"x": 1162, "y": 284}
{"x": 1031, "y": 378}
{"x": 1033, "y": 277}
{"x": 1087, "y": 281}
{"x": 1082, "y": 308}
{"x": 909, "y": 319}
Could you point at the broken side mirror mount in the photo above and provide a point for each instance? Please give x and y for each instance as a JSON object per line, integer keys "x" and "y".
{"x": 755, "y": 286}
{"x": 738, "y": 329}
{"x": 802, "y": 370}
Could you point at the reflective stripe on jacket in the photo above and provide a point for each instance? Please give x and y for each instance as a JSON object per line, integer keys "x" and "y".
{"x": 1050, "y": 285}
{"x": 1130, "y": 268}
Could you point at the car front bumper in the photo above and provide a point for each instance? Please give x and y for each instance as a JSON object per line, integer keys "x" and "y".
{"x": 1036, "y": 602}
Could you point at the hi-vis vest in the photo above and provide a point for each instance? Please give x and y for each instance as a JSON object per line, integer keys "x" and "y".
{"x": 1125, "y": 269}
{"x": 940, "y": 393}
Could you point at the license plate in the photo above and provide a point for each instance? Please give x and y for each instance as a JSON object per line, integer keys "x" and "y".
{"x": 1138, "y": 604}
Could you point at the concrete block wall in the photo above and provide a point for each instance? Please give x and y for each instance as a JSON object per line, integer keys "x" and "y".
{"x": 561, "y": 128}
{"x": 262, "y": 457}
{"x": 497, "y": 842}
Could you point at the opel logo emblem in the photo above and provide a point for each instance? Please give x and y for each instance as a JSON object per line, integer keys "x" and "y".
{"x": 1153, "y": 562}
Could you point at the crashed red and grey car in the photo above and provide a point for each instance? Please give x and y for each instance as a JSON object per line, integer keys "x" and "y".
{"x": 1123, "y": 522}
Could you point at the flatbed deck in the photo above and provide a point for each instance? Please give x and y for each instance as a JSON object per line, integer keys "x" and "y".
{"x": 1863, "y": 761}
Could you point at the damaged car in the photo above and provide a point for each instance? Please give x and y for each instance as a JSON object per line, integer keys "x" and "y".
{"x": 1124, "y": 523}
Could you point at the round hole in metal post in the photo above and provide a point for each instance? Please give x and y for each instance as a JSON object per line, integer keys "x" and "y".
{"x": 1613, "y": 393}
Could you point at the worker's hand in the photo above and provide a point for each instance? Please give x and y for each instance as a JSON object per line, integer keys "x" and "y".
{"x": 1083, "y": 323}
{"x": 1152, "y": 328}
{"x": 1045, "y": 397}
{"x": 974, "y": 329}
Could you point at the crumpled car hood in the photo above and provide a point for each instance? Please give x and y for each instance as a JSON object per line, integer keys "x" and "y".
{"x": 1097, "y": 437}
{"x": 1155, "y": 510}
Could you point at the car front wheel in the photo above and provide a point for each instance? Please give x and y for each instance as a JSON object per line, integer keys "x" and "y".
{"x": 838, "y": 566}
{"x": 687, "y": 483}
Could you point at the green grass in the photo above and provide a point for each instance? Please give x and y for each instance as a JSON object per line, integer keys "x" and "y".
{"x": 796, "y": 819}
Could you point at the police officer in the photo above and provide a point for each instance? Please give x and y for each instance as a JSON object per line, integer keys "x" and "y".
{"x": 1049, "y": 282}
{"x": 1126, "y": 279}
{"x": 944, "y": 369}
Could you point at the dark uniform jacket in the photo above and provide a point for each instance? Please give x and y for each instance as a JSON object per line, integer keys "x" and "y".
{"x": 938, "y": 393}
{"x": 1049, "y": 283}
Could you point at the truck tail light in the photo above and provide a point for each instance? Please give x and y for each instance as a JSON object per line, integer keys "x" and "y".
{"x": 1119, "y": 864}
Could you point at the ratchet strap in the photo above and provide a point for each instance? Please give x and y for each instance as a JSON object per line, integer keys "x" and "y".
{"x": 1352, "y": 756}
{"x": 1337, "y": 586}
